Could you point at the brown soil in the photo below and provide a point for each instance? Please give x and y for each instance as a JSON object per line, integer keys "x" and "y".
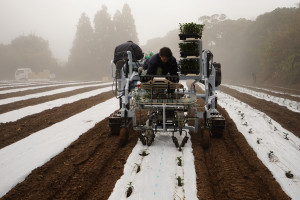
{"x": 90, "y": 166}
{"x": 34, "y": 101}
{"x": 32, "y": 91}
{"x": 288, "y": 119}
{"x": 288, "y": 89}
{"x": 20, "y": 86}
{"x": 11, "y": 132}
{"x": 285, "y": 96}
{"x": 87, "y": 169}
{"x": 230, "y": 169}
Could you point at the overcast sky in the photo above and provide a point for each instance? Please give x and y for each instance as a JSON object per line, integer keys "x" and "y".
{"x": 56, "y": 20}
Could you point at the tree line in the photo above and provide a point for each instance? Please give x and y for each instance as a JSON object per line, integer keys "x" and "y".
{"x": 268, "y": 47}
{"x": 93, "y": 48}
{"x": 90, "y": 55}
{"x": 26, "y": 51}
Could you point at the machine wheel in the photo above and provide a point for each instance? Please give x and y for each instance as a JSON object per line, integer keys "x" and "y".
{"x": 175, "y": 141}
{"x": 205, "y": 142}
{"x": 142, "y": 139}
{"x": 150, "y": 141}
{"x": 184, "y": 141}
{"x": 123, "y": 137}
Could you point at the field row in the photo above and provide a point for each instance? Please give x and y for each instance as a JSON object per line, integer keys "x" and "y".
{"x": 66, "y": 140}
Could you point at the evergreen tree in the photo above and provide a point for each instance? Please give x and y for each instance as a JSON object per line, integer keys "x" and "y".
{"x": 119, "y": 28}
{"x": 104, "y": 46}
{"x": 124, "y": 26}
{"x": 129, "y": 30}
{"x": 80, "y": 63}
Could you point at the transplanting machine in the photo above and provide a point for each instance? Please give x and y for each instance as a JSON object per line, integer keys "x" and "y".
{"x": 154, "y": 104}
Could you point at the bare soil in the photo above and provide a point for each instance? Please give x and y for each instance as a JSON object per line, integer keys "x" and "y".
{"x": 230, "y": 169}
{"x": 11, "y": 132}
{"x": 87, "y": 169}
{"x": 91, "y": 165}
{"x": 295, "y": 89}
{"x": 39, "y": 100}
{"x": 288, "y": 119}
{"x": 285, "y": 96}
{"x": 32, "y": 91}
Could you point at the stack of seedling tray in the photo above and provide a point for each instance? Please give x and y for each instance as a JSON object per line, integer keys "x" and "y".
{"x": 190, "y": 34}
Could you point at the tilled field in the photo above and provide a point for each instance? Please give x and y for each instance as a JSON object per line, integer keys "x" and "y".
{"x": 90, "y": 167}
{"x": 288, "y": 119}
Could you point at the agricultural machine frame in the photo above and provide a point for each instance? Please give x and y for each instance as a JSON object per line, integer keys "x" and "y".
{"x": 170, "y": 107}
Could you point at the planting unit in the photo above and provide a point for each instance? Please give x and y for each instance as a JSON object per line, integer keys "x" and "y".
{"x": 171, "y": 105}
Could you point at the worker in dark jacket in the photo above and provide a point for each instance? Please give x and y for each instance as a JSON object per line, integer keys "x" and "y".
{"x": 162, "y": 63}
{"x": 121, "y": 52}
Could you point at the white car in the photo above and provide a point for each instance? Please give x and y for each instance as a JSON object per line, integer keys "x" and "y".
{"x": 21, "y": 74}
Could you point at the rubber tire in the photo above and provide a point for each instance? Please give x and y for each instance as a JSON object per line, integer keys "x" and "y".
{"x": 205, "y": 143}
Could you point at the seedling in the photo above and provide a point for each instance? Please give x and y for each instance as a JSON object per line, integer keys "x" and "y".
{"x": 275, "y": 129}
{"x": 242, "y": 115}
{"x": 270, "y": 154}
{"x": 129, "y": 189}
{"x": 258, "y": 140}
{"x": 179, "y": 179}
{"x": 270, "y": 121}
{"x": 144, "y": 153}
{"x": 138, "y": 168}
{"x": 190, "y": 65}
{"x": 179, "y": 161}
{"x": 245, "y": 124}
{"x": 285, "y": 135}
{"x": 190, "y": 28}
{"x": 190, "y": 46}
{"x": 250, "y": 130}
{"x": 289, "y": 174}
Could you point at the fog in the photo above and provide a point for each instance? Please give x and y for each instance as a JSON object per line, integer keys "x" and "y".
{"x": 56, "y": 20}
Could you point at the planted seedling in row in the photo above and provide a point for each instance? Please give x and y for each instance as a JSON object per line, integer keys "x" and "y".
{"x": 289, "y": 174}
{"x": 285, "y": 135}
{"x": 242, "y": 115}
{"x": 129, "y": 189}
{"x": 271, "y": 154}
{"x": 250, "y": 130}
{"x": 179, "y": 179}
{"x": 138, "y": 168}
{"x": 270, "y": 121}
{"x": 144, "y": 153}
{"x": 258, "y": 140}
{"x": 179, "y": 161}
